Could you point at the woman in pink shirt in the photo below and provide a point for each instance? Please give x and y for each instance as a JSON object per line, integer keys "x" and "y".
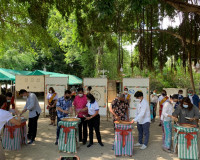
{"x": 80, "y": 102}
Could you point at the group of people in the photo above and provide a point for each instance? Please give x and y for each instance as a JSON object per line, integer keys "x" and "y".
{"x": 174, "y": 108}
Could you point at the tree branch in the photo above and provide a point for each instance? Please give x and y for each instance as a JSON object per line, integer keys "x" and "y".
{"x": 183, "y": 6}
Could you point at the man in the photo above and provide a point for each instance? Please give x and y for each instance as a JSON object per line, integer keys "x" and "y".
{"x": 80, "y": 102}
{"x": 194, "y": 98}
{"x": 176, "y": 102}
{"x": 64, "y": 108}
{"x": 127, "y": 96}
{"x": 162, "y": 100}
{"x": 153, "y": 105}
{"x": 6, "y": 117}
{"x": 143, "y": 120}
{"x": 33, "y": 106}
{"x": 180, "y": 95}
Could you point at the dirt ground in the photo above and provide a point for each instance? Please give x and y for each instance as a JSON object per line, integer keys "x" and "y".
{"x": 44, "y": 148}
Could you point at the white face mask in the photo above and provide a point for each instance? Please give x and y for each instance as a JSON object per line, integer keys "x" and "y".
{"x": 24, "y": 97}
{"x": 88, "y": 101}
{"x": 125, "y": 92}
{"x": 173, "y": 103}
{"x": 50, "y": 91}
{"x": 8, "y": 101}
{"x": 137, "y": 100}
{"x": 80, "y": 95}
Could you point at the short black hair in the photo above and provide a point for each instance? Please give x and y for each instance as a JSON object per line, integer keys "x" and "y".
{"x": 8, "y": 94}
{"x": 80, "y": 89}
{"x": 89, "y": 88}
{"x": 180, "y": 91}
{"x": 126, "y": 89}
{"x": 68, "y": 92}
{"x": 2, "y": 100}
{"x": 174, "y": 96}
{"x": 138, "y": 94}
{"x": 22, "y": 91}
{"x": 91, "y": 98}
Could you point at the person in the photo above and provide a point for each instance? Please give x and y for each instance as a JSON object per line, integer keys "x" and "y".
{"x": 194, "y": 98}
{"x": 127, "y": 95}
{"x": 143, "y": 120}
{"x": 64, "y": 108}
{"x": 33, "y": 106}
{"x": 186, "y": 110}
{"x": 10, "y": 101}
{"x": 93, "y": 119}
{"x": 52, "y": 98}
{"x": 89, "y": 89}
{"x": 176, "y": 101}
{"x": 180, "y": 96}
{"x": 6, "y": 117}
{"x": 80, "y": 102}
{"x": 153, "y": 104}
{"x": 166, "y": 118}
{"x": 119, "y": 108}
{"x": 162, "y": 100}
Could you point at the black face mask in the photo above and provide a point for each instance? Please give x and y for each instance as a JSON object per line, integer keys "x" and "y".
{"x": 163, "y": 94}
{"x": 67, "y": 97}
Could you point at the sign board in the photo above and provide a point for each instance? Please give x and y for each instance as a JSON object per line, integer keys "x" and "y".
{"x": 59, "y": 84}
{"x": 134, "y": 85}
{"x": 30, "y": 83}
{"x": 99, "y": 91}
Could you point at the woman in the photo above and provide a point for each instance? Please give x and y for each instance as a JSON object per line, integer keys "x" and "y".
{"x": 52, "y": 98}
{"x": 93, "y": 119}
{"x": 186, "y": 113}
{"x": 166, "y": 118}
{"x": 5, "y": 117}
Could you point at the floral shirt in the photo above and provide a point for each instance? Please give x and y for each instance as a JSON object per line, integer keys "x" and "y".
{"x": 120, "y": 109}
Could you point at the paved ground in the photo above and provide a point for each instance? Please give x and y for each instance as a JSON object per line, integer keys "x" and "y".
{"x": 44, "y": 148}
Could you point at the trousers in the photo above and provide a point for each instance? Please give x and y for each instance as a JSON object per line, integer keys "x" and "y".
{"x": 143, "y": 130}
{"x": 32, "y": 127}
{"x": 83, "y": 133}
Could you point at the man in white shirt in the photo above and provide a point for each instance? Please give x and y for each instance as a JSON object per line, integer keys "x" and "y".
{"x": 5, "y": 117}
{"x": 143, "y": 120}
{"x": 32, "y": 105}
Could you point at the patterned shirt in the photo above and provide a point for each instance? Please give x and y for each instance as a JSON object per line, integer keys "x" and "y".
{"x": 80, "y": 103}
{"x": 120, "y": 109}
{"x": 65, "y": 105}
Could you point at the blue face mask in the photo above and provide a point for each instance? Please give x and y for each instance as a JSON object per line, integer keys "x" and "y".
{"x": 185, "y": 106}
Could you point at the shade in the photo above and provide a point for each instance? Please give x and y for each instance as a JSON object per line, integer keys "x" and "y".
{"x": 72, "y": 80}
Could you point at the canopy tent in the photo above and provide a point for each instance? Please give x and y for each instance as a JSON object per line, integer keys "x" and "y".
{"x": 9, "y": 74}
{"x": 73, "y": 80}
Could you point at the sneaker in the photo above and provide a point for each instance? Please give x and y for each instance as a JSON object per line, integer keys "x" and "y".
{"x": 137, "y": 145}
{"x": 31, "y": 142}
{"x": 143, "y": 147}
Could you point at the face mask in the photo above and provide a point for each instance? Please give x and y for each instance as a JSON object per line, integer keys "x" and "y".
{"x": 173, "y": 103}
{"x": 154, "y": 94}
{"x": 67, "y": 97}
{"x": 88, "y": 101}
{"x": 189, "y": 94}
{"x": 185, "y": 106}
{"x": 50, "y": 91}
{"x": 8, "y": 101}
{"x": 137, "y": 100}
{"x": 125, "y": 92}
{"x": 80, "y": 95}
{"x": 24, "y": 97}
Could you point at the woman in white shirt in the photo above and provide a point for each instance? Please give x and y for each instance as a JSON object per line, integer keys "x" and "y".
{"x": 166, "y": 118}
{"x": 5, "y": 117}
{"x": 93, "y": 119}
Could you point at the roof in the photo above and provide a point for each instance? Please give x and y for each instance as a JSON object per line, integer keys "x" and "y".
{"x": 73, "y": 80}
{"x": 9, "y": 74}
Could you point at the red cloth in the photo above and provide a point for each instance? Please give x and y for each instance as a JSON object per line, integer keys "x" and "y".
{"x": 160, "y": 111}
{"x": 189, "y": 136}
{"x": 11, "y": 130}
{"x": 66, "y": 130}
{"x": 123, "y": 133}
